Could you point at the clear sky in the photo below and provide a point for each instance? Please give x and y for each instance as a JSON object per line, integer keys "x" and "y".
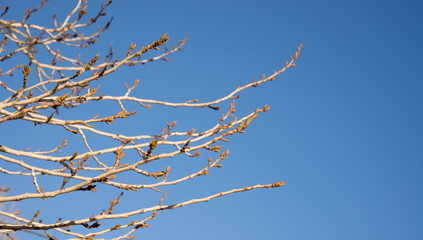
{"x": 345, "y": 128}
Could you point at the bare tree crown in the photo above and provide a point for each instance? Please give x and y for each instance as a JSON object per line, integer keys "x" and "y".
{"x": 64, "y": 82}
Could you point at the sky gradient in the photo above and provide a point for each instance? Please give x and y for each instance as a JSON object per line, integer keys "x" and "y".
{"x": 345, "y": 128}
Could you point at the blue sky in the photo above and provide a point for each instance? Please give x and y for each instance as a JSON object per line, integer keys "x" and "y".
{"x": 345, "y": 127}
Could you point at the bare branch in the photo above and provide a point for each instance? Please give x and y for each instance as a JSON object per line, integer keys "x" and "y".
{"x": 64, "y": 82}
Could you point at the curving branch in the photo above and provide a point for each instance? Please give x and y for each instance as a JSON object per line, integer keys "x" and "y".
{"x": 66, "y": 82}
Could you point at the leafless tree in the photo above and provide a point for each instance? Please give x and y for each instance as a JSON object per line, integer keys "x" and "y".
{"x": 64, "y": 82}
